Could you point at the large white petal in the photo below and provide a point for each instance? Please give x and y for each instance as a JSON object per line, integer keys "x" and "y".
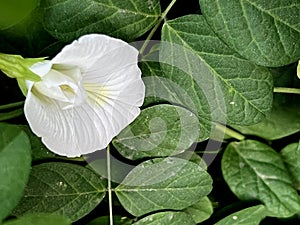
{"x": 71, "y": 132}
{"x": 80, "y": 130}
{"x": 95, "y": 51}
{"x": 111, "y": 79}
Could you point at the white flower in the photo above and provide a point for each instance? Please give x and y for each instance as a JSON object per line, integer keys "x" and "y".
{"x": 89, "y": 92}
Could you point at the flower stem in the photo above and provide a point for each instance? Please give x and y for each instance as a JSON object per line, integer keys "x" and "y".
{"x": 286, "y": 90}
{"x": 110, "y": 203}
{"x": 230, "y": 132}
{"x": 11, "y": 105}
{"x": 162, "y": 18}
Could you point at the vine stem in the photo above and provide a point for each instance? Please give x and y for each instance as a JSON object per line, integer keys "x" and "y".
{"x": 286, "y": 90}
{"x": 162, "y": 18}
{"x": 230, "y": 132}
{"x": 110, "y": 203}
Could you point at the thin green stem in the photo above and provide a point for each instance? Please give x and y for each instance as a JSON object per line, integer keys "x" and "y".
{"x": 286, "y": 90}
{"x": 11, "y": 105}
{"x": 11, "y": 114}
{"x": 110, "y": 202}
{"x": 230, "y": 132}
{"x": 152, "y": 32}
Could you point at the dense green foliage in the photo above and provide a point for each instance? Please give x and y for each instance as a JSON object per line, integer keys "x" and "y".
{"x": 217, "y": 140}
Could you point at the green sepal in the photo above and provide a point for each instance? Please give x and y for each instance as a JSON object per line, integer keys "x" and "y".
{"x": 22, "y": 85}
{"x": 15, "y": 66}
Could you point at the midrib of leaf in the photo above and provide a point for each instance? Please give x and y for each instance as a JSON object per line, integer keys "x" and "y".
{"x": 109, "y": 6}
{"x": 250, "y": 31}
{"x": 145, "y": 136}
{"x": 97, "y": 190}
{"x": 214, "y": 71}
{"x": 270, "y": 14}
{"x": 193, "y": 87}
{"x": 263, "y": 181}
{"x": 156, "y": 189}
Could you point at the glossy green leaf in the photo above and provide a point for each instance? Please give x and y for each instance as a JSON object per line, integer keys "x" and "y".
{"x": 39, "y": 219}
{"x": 161, "y": 89}
{"x": 249, "y": 216}
{"x": 14, "y": 11}
{"x": 282, "y": 121}
{"x": 161, "y": 130}
{"x": 127, "y": 19}
{"x": 159, "y": 184}
{"x": 156, "y": 92}
{"x": 291, "y": 157}
{"x": 104, "y": 220}
{"x": 62, "y": 188}
{"x": 166, "y": 218}
{"x": 200, "y": 211}
{"x": 223, "y": 86}
{"x": 29, "y": 38}
{"x": 253, "y": 170}
{"x": 15, "y": 162}
{"x": 266, "y": 32}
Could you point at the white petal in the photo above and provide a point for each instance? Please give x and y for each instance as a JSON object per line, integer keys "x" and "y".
{"x": 94, "y": 51}
{"x": 41, "y": 68}
{"x": 79, "y": 130}
{"x": 71, "y": 132}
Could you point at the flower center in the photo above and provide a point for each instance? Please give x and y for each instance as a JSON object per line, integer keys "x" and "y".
{"x": 63, "y": 84}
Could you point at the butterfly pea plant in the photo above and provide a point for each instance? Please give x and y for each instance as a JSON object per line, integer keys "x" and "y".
{"x": 149, "y": 112}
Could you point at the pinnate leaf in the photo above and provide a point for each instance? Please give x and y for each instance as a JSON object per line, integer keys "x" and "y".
{"x": 201, "y": 210}
{"x": 159, "y": 184}
{"x": 166, "y": 218}
{"x": 15, "y": 162}
{"x": 224, "y": 86}
{"x": 253, "y": 170}
{"x": 127, "y": 19}
{"x": 39, "y": 219}
{"x": 161, "y": 130}
{"x": 291, "y": 157}
{"x": 265, "y": 32}
{"x": 62, "y": 188}
{"x": 249, "y": 216}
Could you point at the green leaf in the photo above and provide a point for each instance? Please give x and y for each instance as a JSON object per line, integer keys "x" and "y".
{"x": 39, "y": 219}
{"x": 62, "y": 188}
{"x": 127, "y": 19}
{"x": 166, "y": 218}
{"x": 14, "y": 11}
{"x": 291, "y": 157}
{"x": 29, "y": 38}
{"x": 249, "y": 216}
{"x": 15, "y": 162}
{"x": 104, "y": 220}
{"x": 159, "y": 184}
{"x": 265, "y": 32}
{"x": 254, "y": 170}
{"x": 119, "y": 169}
{"x": 200, "y": 211}
{"x": 160, "y": 89}
{"x": 282, "y": 121}
{"x": 156, "y": 92}
{"x": 224, "y": 86}
{"x": 161, "y": 130}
